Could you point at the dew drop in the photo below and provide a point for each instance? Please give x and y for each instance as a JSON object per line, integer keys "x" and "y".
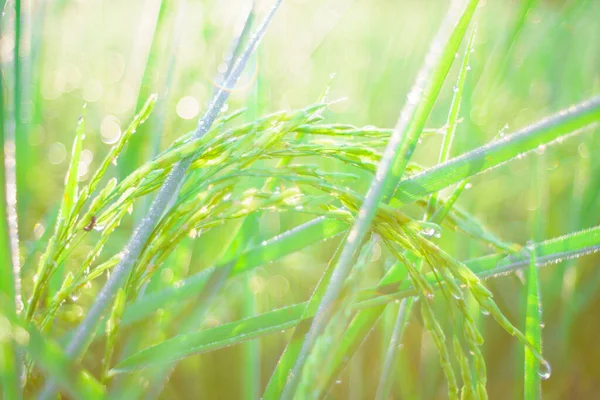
{"x": 428, "y": 232}
{"x": 99, "y": 228}
{"x": 545, "y": 370}
{"x": 541, "y": 149}
{"x": 431, "y": 231}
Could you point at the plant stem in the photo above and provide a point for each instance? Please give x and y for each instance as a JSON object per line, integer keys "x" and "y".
{"x": 387, "y": 370}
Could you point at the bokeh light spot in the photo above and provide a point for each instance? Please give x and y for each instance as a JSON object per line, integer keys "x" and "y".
{"x": 188, "y": 107}
{"x": 110, "y": 130}
{"x": 57, "y": 153}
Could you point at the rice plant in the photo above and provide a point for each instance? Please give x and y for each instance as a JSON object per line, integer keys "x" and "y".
{"x": 293, "y": 252}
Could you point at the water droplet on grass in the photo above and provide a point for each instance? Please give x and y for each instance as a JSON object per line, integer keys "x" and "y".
{"x": 545, "y": 370}
{"x": 541, "y": 149}
{"x": 428, "y": 232}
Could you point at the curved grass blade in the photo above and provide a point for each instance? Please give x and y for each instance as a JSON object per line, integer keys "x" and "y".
{"x": 542, "y": 133}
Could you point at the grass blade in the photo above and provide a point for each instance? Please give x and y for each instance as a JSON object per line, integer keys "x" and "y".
{"x": 498, "y": 152}
{"x": 385, "y": 380}
{"x": 9, "y": 287}
{"x": 533, "y": 332}
{"x": 256, "y": 256}
{"x": 404, "y": 311}
{"x": 533, "y": 314}
{"x": 391, "y": 167}
{"x": 70, "y": 193}
{"x": 211, "y": 339}
{"x": 550, "y": 251}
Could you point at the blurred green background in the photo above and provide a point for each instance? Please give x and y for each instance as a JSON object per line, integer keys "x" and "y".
{"x": 531, "y": 58}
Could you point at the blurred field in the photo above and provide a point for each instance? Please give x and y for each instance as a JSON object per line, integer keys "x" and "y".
{"x": 531, "y": 58}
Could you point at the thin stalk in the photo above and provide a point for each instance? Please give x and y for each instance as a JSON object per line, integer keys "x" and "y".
{"x": 9, "y": 356}
{"x": 15, "y": 148}
{"x": 83, "y": 334}
{"x": 404, "y": 312}
{"x": 452, "y": 121}
{"x": 195, "y": 312}
{"x": 533, "y": 319}
{"x": 251, "y": 351}
{"x": 391, "y": 167}
{"x": 156, "y": 120}
{"x": 385, "y": 381}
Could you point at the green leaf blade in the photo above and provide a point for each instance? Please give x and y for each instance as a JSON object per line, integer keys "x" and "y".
{"x": 498, "y": 152}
